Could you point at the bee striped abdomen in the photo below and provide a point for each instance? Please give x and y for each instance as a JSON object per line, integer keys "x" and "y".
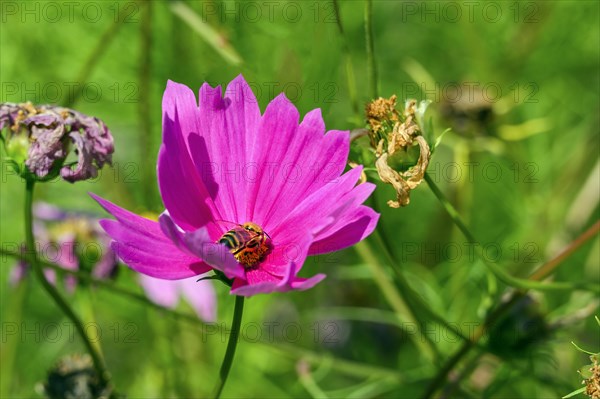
{"x": 235, "y": 239}
{"x": 247, "y": 242}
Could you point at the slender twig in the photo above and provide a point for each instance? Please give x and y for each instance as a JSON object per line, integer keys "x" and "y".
{"x": 371, "y": 64}
{"x": 231, "y": 345}
{"x": 94, "y": 58}
{"x": 549, "y": 267}
{"x": 110, "y": 286}
{"x": 97, "y": 360}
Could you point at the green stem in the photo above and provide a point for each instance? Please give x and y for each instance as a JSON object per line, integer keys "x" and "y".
{"x": 525, "y": 285}
{"x": 147, "y": 142}
{"x": 108, "y": 285}
{"x": 498, "y": 271}
{"x": 231, "y": 345}
{"x": 450, "y": 209}
{"x": 371, "y": 65}
{"x": 14, "y": 313}
{"x": 354, "y": 369}
{"x": 396, "y": 298}
{"x": 352, "y": 92}
{"x": 53, "y": 292}
{"x": 94, "y": 59}
{"x": 440, "y": 378}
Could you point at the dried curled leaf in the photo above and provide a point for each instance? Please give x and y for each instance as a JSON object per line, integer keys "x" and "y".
{"x": 391, "y": 133}
{"x": 404, "y": 182}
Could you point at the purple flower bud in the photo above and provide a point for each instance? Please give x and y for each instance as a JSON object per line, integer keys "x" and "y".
{"x": 50, "y": 131}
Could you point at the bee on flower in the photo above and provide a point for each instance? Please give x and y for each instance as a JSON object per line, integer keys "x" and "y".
{"x": 278, "y": 220}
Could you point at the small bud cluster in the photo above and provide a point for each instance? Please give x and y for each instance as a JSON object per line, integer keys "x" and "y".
{"x": 592, "y": 384}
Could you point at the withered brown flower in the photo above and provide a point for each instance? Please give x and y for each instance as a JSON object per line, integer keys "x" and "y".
{"x": 391, "y": 133}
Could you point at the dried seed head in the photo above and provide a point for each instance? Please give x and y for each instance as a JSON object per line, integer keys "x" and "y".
{"x": 381, "y": 118}
{"x": 42, "y": 136}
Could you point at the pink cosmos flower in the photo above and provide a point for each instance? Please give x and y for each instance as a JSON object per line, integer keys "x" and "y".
{"x": 221, "y": 165}
{"x": 201, "y": 297}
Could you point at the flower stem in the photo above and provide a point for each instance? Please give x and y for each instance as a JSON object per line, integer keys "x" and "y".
{"x": 371, "y": 65}
{"x": 147, "y": 141}
{"x": 352, "y": 92}
{"x": 54, "y": 293}
{"x": 379, "y": 268}
{"x": 450, "y": 209}
{"x": 231, "y": 345}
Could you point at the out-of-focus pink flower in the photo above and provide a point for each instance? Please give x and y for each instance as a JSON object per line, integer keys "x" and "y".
{"x": 71, "y": 240}
{"x": 222, "y": 165}
{"x": 200, "y": 296}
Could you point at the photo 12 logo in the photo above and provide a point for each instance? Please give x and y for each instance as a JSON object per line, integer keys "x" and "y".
{"x": 65, "y": 332}
{"x": 469, "y": 11}
{"x": 319, "y": 332}
{"x": 53, "y": 12}
{"x": 68, "y": 92}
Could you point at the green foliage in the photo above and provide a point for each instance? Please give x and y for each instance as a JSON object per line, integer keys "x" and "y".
{"x": 523, "y": 180}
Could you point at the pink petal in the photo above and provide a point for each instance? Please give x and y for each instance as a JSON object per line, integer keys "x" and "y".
{"x": 287, "y": 283}
{"x": 291, "y": 247}
{"x": 276, "y": 131}
{"x": 278, "y": 272}
{"x": 257, "y": 276}
{"x": 353, "y": 227}
{"x": 216, "y": 255}
{"x": 202, "y": 298}
{"x": 227, "y": 129}
{"x": 312, "y": 215}
{"x": 162, "y": 292}
{"x": 183, "y": 192}
{"x": 141, "y": 244}
{"x": 352, "y": 222}
{"x": 301, "y": 284}
{"x": 50, "y": 276}
{"x": 311, "y": 159}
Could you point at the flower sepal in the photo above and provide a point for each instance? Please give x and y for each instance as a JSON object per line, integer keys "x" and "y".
{"x": 218, "y": 275}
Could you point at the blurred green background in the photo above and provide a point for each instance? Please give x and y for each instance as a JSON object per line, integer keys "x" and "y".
{"x": 521, "y": 166}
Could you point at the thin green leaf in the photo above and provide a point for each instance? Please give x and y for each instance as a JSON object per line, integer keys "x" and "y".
{"x": 439, "y": 139}
{"x": 206, "y": 32}
{"x": 581, "y": 349}
{"x": 577, "y": 392}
